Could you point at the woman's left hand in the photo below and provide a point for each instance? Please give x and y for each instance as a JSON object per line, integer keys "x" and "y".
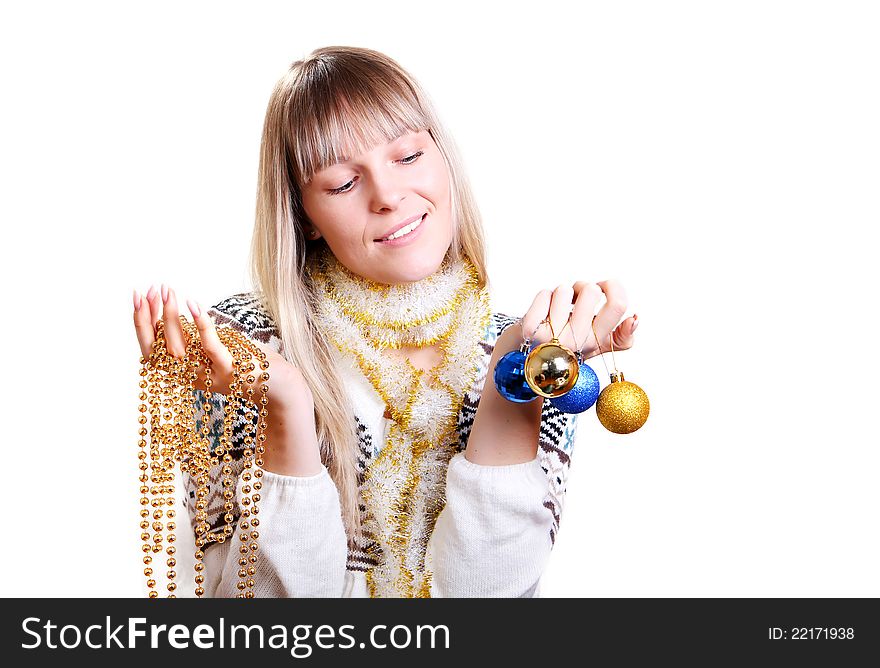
{"x": 504, "y": 431}
{"x": 578, "y": 332}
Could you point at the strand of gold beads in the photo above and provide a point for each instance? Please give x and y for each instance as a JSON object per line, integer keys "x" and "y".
{"x": 252, "y": 469}
{"x": 167, "y": 395}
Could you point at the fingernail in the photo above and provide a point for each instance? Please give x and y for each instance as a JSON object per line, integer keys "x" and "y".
{"x": 137, "y": 301}
{"x": 164, "y": 293}
{"x": 194, "y": 308}
{"x": 151, "y": 293}
{"x": 635, "y": 322}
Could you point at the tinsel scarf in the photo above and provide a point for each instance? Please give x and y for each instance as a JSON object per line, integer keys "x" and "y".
{"x": 404, "y": 486}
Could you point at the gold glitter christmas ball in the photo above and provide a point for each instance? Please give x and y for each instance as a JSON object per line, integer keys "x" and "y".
{"x": 622, "y": 406}
{"x": 551, "y": 370}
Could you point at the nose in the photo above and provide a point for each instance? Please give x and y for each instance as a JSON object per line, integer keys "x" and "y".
{"x": 386, "y": 193}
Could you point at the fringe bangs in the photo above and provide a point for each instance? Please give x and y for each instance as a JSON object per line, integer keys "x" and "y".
{"x": 341, "y": 113}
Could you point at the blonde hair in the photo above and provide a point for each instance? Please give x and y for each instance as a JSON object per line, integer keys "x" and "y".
{"x": 339, "y": 101}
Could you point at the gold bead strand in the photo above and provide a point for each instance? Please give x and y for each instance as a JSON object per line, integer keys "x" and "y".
{"x": 175, "y": 441}
{"x": 157, "y": 434}
{"x": 183, "y": 404}
{"x": 144, "y": 476}
{"x": 197, "y": 457}
{"x": 224, "y": 458}
{"x": 255, "y": 429}
{"x": 252, "y": 351}
{"x": 203, "y": 462}
{"x": 226, "y": 441}
{"x": 241, "y": 358}
{"x": 258, "y": 472}
{"x": 231, "y": 341}
{"x": 200, "y": 466}
{"x": 199, "y": 474}
{"x": 249, "y": 434}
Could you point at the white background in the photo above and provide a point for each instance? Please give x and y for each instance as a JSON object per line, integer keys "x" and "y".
{"x": 720, "y": 159}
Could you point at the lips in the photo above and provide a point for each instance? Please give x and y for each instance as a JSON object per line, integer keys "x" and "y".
{"x": 400, "y": 226}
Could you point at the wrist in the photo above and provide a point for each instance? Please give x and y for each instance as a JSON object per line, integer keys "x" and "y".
{"x": 504, "y": 432}
{"x": 292, "y": 448}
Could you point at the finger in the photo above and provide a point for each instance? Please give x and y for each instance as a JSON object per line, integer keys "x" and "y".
{"x": 174, "y": 339}
{"x": 219, "y": 354}
{"x": 624, "y": 335}
{"x": 611, "y": 312}
{"x": 587, "y": 296}
{"x": 560, "y": 308}
{"x": 154, "y": 301}
{"x": 536, "y": 313}
{"x": 142, "y": 325}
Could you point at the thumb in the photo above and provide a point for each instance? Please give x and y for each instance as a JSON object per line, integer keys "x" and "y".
{"x": 624, "y": 335}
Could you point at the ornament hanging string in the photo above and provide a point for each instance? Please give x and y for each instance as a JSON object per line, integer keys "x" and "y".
{"x": 623, "y": 406}
{"x": 611, "y": 341}
{"x": 549, "y": 323}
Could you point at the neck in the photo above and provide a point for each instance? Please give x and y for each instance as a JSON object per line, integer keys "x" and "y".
{"x": 396, "y": 315}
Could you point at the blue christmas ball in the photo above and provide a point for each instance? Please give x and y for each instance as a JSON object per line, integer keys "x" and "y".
{"x": 510, "y": 379}
{"x": 582, "y": 395}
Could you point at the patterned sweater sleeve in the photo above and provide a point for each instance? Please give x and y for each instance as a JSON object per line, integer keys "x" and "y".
{"x": 495, "y": 533}
{"x": 301, "y": 540}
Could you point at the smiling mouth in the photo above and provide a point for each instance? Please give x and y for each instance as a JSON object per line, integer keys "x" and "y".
{"x": 402, "y": 232}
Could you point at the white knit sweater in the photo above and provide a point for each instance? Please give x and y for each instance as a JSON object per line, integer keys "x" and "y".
{"x": 492, "y": 538}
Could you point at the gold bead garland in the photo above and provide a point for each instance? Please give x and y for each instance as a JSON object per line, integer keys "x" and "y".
{"x": 167, "y": 388}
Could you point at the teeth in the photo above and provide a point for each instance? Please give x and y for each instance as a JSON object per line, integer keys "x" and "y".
{"x": 404, "y": 230}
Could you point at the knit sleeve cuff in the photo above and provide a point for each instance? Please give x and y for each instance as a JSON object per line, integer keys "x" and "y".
{"x": 496, "y": 484}
{"x": 271, "y": 478}
{"x": 493, "y": 536}
{"x": 285, "y": 494}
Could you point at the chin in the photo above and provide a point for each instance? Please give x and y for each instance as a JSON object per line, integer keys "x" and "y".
{"x": 401, "y": 274}
{"x": 417, "y": 268}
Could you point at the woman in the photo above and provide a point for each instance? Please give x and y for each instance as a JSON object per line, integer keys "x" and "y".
{"x": 392, "y": 468}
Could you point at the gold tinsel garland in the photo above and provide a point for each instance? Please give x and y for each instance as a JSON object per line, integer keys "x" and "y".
{"x": 167, "y": 394}
{"x": 363, "y": 319}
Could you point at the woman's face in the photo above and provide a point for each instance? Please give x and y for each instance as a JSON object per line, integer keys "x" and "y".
{"x": 357, "y": 203}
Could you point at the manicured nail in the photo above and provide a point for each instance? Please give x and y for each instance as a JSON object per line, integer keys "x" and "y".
{"x": 194, "y": 308}
{"x": 635, "y": 322}
{"x": 137, "y": 301}
{"x": 151, "y": 293}
{"x": 165, "y": 293}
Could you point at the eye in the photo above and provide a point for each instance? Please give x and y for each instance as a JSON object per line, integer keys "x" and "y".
{"x": 345, "y": 187}
{"x": 410, "y": 159}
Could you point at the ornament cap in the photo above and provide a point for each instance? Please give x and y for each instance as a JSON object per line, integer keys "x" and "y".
{"x": 617, "y": 377}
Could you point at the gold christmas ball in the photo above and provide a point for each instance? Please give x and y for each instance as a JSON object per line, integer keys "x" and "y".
{"x": 622, "y": 406}
{"x": 551, "y": 370}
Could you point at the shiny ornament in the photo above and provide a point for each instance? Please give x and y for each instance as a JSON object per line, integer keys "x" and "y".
{"x": 551, "y": 369}
{"x": 510, "y": 380}
{"x": 582, "y": 395}
{"x": 622, "y": 407}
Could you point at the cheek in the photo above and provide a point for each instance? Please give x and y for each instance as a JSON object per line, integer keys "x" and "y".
{"x": 437, "y": 182}
{"x": 322, "y": 212}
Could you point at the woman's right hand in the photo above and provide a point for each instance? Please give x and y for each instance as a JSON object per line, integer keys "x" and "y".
{"x": 291, "y": 443}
